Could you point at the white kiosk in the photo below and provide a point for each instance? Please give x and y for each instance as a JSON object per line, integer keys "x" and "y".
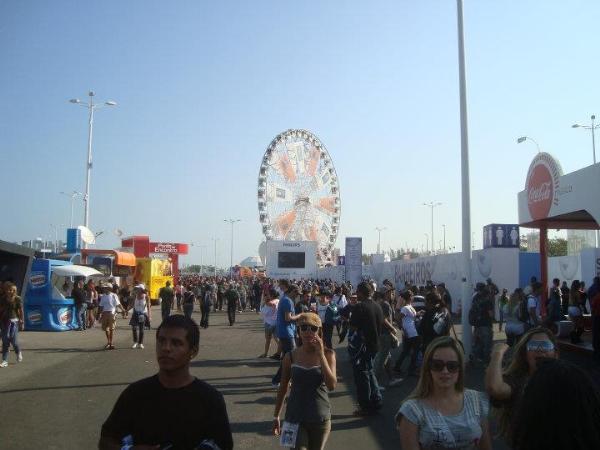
{"x": 291, "y": 259}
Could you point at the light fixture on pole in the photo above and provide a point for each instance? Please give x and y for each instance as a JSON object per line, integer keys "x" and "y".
{"x": 72, "y": 195}
{"x": 432, "y": 205}
{"x": 379, "y": 230}
{"x": 527, "y": 138}
{"x": 231, "y": 221}
{"x": 592, "y": 128}
{"x": 91, "y": 106}
{"x": 465, "y": 184}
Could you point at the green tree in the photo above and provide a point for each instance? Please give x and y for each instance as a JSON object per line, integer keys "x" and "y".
{"x": 557, "y": 247}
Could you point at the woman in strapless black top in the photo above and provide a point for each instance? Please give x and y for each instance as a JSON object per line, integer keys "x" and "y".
{"x": 311, "y": 369}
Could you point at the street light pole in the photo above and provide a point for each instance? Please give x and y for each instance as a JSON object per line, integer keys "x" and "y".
{"x": 91, "y": 107}
{"x": 215, "y": 242}
{"x": 592, "y": 128}
{"x": 432, "y": 205}
{"x": 379, "y": 240}
{"x": 444, "y": 228}
{"x": 72, "y": 195}
{"x": 231, "y": 221}
{"x": 466, "y": 190}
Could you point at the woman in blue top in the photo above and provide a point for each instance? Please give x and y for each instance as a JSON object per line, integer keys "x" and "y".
{"x": 441, "y": 413}
{"x": 312, "y": 371}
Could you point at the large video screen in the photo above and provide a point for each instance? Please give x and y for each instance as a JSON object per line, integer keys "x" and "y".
{"x": 291, "y": 260}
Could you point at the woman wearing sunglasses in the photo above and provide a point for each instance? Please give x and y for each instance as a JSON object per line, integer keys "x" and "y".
{"x": 440, "y": 413}
{"x": 506, "y": 388}
{"x": 311, "y": 369}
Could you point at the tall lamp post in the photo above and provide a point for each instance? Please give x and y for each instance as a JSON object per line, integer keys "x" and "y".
{"x": 592, "y": 128}
{"x": 91, "y": 106}
{"x": 215, "y": 240}
{"x": 231, "y": 221}
{"x": 465, "y": 183}
{"x": 432, "y": 205}
{"x": 72, "y": 195}
{"x": 379, "y": 230}
{"x": 444, "y": 228}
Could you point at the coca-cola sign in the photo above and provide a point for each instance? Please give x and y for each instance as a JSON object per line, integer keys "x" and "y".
{"x": 542, "y": 185}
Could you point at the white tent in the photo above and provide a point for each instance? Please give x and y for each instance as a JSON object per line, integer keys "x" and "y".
{"x": 251, "y": 261}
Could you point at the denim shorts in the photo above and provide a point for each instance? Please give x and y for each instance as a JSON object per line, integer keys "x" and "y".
{"x": 269, "y": 330}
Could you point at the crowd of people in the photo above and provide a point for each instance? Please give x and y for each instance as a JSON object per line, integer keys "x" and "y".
{"x": 524, "y": 376}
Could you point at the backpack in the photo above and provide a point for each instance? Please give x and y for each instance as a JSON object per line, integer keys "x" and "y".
{"x": 523, "y": 313}
{"x": 441, "y": 323}
{"x": 332, "y": 314}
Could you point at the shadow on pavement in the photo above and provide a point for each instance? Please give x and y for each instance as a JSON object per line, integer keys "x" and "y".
{"x": 53, "y": 388}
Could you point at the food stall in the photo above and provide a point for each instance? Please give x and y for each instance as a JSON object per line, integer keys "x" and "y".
{"x": 47, "y": 306}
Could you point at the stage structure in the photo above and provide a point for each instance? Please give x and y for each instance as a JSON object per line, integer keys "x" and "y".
{"x": 298, "y": 192}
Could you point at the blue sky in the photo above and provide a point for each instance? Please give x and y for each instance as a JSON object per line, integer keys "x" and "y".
{"x": 203, "y": 86}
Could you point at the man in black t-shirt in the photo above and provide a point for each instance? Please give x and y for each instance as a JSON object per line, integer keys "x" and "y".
{"x": 366, "y": 323}
{"x": 171, "y": 409}
{"x": 78, "y": 295}
{"x": 483, "y": 334}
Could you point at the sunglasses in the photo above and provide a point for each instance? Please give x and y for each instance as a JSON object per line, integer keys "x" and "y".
{"x": 437, "y": 365}
{"x": 540, "y": 346}
{"x": 309, "y": 327}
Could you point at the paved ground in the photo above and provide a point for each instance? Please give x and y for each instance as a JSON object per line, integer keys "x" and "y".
{"x": 67, "y": 384}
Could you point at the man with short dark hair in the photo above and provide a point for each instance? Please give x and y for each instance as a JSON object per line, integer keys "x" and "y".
{"x": 481, "y": 316}
{"x": 171, "y": 409}
{"x": 166, "y": 295}
{"x": 366, "y": 323}
{"x": 233, "y": 300}
{"x": 78, "y": 295}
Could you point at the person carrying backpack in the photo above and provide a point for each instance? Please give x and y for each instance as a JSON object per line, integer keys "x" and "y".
{"x": 329, "y": 314}
{"x": 480, "y": 317}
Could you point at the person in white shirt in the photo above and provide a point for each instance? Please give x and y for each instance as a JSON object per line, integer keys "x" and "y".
{"x": 268, "y": 311}
{"x": 339, "y": 299}
{"x": 141, "y": 314}
{"x": 109, "y": 302}
{"x": 411, "y": 341}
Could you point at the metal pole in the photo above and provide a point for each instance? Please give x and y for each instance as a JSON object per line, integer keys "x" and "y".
{"x": 215, "y": 271}
{"x": 444, "y": 228}
{"x": 594, "y": 138}
{"x": 432, "y": 239}
{"x": 466, "y": 194}
{"x": 86, "y": 198}
{"x": 594, "y": 150}
{"x": 231, "y": 259}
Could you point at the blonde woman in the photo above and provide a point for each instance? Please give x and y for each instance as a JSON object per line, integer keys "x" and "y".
{"x": 312, "y": 370}
{"x": 505, "y": 388}
{"x": 441, "y": 413}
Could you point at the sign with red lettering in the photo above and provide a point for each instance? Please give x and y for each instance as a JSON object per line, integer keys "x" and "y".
{"x": 166, "y": 247}
{"x": 542, "y": 185}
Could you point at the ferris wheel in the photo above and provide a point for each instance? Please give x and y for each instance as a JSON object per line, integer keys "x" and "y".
{"x": 298, "y": 192}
